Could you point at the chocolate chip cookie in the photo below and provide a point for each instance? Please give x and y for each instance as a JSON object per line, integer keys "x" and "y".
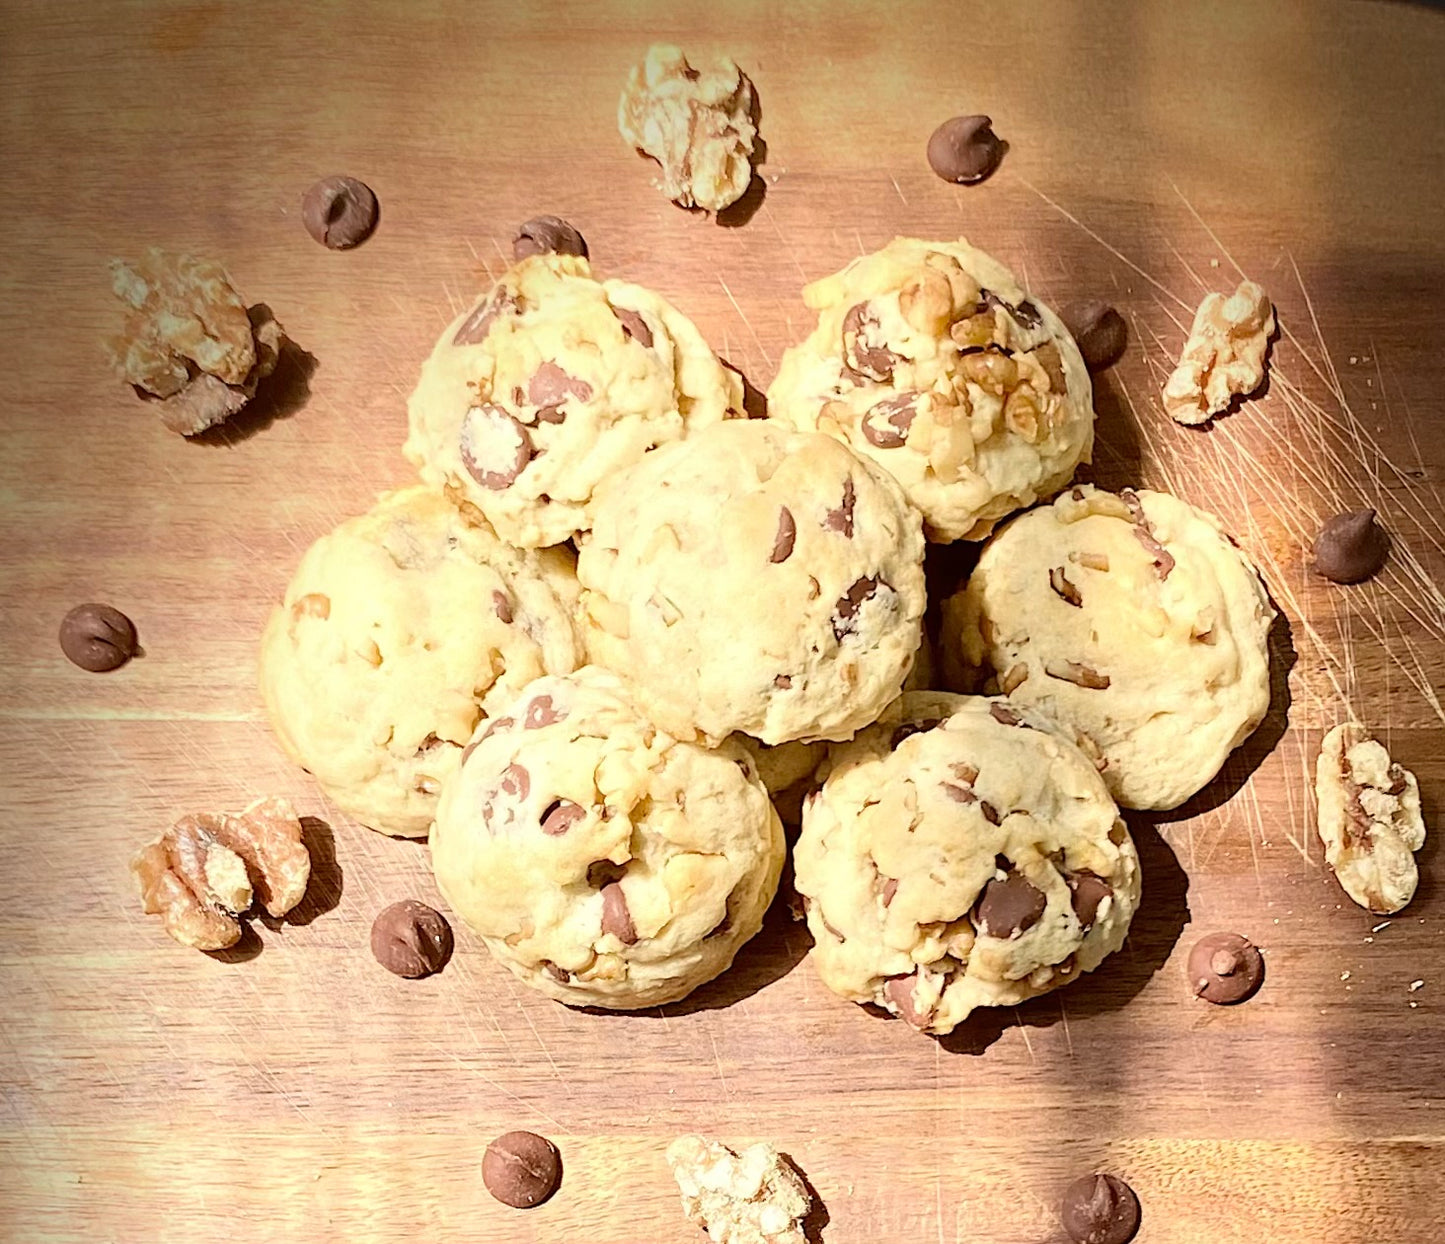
{"x": 932, "y": 361}
{"x": 757, "y": 579}
{"x": 399, "y": 632}
{"x": 962, "y": 852}
{"x": 551, "y": 383}
{"x": 603, "y": 861}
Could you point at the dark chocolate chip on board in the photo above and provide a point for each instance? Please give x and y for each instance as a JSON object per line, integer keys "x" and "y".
{"x": 1098, "y": 330}
{"x": 543, "y": 235}
{"x": 411, "y": 939}
{"x": 1225, "y": 968}
{"x": 521, "y": 1169}
{"x": 339, "y": 212}
{"x": 1100, "y": 1209}
{"x": 965, "y": 150}
{"x": 97, "y": 637}
{"x": 1351, "y": 547}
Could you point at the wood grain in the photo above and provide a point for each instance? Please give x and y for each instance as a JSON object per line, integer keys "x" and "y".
{"x": 296, "y": 1091}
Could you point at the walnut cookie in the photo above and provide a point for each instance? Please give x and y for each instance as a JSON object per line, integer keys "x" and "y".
{"x": 1132, "y": 618}
{"x": 758, "y": 579}
{"x": 601, "y": 860}
{"x": 400, "y": 631}
{"x": 961, "y": 853}
{"x": 549, "y": 384}
{"x": 932, "y": 361}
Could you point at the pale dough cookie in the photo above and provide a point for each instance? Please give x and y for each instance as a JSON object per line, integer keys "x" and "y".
{"x": 1369, "y": 819}
{"x": 758, "y": 579}
{"x": 697, "y": 123}
{"x": 550, "y": 384}
{"x": 961, "y": 853}
{"x": 399, "y": 632}
{"x": 601, "y": 860}
{"x": 1135, "y": 620}
{"x": 931, "y": 360}
{"x": 752, "y": 1197}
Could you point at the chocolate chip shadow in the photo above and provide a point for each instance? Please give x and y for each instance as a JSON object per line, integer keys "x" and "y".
{"x": 279, "y": 396}
{"x": 1117, "y": 456}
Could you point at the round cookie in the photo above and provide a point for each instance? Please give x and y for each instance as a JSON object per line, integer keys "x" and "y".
{"x": 961, "y": 853}
{"x": 930, "y": 359}
{"x": 603, "y": 861}
{"x": 787, "y": 772}
{"x": 549, "y": 384}
{"x": 399, "y": 632}
{"x": 1135, "y": 620}
{"x": 757, "y": 579}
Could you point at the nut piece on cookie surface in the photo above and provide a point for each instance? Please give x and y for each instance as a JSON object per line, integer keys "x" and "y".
{"x": 697, "y": 123}
{"x": 1224, "y": 355}
{"x": 208, "y": 868}
{"x": 752, "y": 1197}
{"x": 1369, "y": 819}
{"x": 190, "y": 340}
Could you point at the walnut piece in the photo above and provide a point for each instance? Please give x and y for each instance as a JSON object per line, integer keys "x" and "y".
{"x": 1223, "y": 356}
{"x": 752, "y": 1197}
{"x": 190, "y": 340}
{"x": 207, "y": 869}
{"x": 1369, "y": 819}
{"x": 696, "y": 123}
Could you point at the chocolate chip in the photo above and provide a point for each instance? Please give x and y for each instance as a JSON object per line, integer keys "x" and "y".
{"x": 783, "y": 682}
{"x": 1027, "y": 315}
{"x": 899, "y": 991}
{"x": 634, "y": 326}
{"x": 913, "y": 727}
{"x": 469, "y": 749}
{"x": 549, "y": 389}
{"x": 1351, "y": 547}
{"x": 959, "y": 794}
{"x": 522, "y": 1169}
{"x": 497, "y": 724}
{"x": 411, "y": 939}
{"x": 1225, "y": 968}
{"x": 845, "y": 612}
{"x": 541, "y": 712}
{"x": 890, "y": 888}
{"x": 339, "y": 212}
{"x": 865, "y": 358}
{"x": 786, "y": 537}
{"x": 474, "y": 329}
{"x": 965, "y": 150}
{"x": 1087, "y": 891}
{"x": 560, "y": 815}
{"x": 1100, "y": 1209}
{"x": 503, "y": 607}
{"x": 559, "y": 974}
{"x": 98, "y": 637}
{"x": 495, "y": 447}
{"x": 616, "y": 919}
{"x": 543, "y": 235}
{"x": 1099, "y": 330}
{"x": 1009, "y": 907}
{"x": 841, "y": 519}
{"x": 1065, "y": 590}
{"x": 990, "y": 813}
{"x": 1004, "y": 715}
{"x": 516, "y": 781}
{"x": 887, "y": 422}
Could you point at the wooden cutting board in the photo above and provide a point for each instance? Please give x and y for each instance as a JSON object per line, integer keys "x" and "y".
{"x": 297, "y": 1091}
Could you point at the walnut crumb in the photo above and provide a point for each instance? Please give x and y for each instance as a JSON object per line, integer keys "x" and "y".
{"x": 752, "y": 1197}
{"x": 1224, "y": 355}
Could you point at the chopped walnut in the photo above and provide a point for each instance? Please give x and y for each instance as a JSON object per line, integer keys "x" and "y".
{"x": 190, "y": 340}
{"x": 1369, "y": 819}
{"x": 206, "y": 870}
{"x": 696, "y": 123}
{"x": 1224, "y": 355}
{"x": 752, "y": 1197}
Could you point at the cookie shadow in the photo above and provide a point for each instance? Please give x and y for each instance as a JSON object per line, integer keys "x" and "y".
{"x": 1241, "y": 763}
{"x": 279, "y": 396}
{"x": 1155, "y": 931}
{"x": 817, "y": 1217}
{"x": 1118, "y": 459}
{"x": 243, "y": 951}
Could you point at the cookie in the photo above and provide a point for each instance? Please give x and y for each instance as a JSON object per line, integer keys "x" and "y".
{"x": 962, "y": 852}
{"x": 1369, "y": 819}
{"x": 787, "y": 772}
{"x": 757, "y": 579}
{"x": 1134, "y": 619}
{"x": 399, "y": 632}
{"x": 601, "y": 860}
{"x": 932, "y": 361}
{"x": 549, "y": 384}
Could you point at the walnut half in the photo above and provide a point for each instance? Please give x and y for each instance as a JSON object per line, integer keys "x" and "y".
{"x": 204, "y": 872}
{"x": 752, "y": 1197}
{"x": 1223, "y": 356}
{"x": 1369, "y": 819}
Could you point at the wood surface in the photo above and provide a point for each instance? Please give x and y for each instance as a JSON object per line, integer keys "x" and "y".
{"x": 295, "y": 1091}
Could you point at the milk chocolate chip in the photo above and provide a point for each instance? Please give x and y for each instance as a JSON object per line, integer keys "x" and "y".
{"x": 1098, "y": 330}
{"x": 541, "y": 712}
{"x": 1087, "y": 892}
{"x": 1100, "y": 1209}
{"x": 634, "y": 326}
{"x": 98, "y": 637}
{"x": 1351, "y": 547}
{"x": 841, "y": 519}
{"x": 411, "y": 939}
{"x": 845, "y": 612}
{"x": 1225, "y": 968}
{"x": 965, "y": 150}
{"x": 550, "y": 387}
{"x": 474, "y": 329}
{"x": 544, "y": 235}
{"x": 521, "y": 1169}
{"x": 886, "y": 424}
{"x": 865, "y": 355}
{"x": 1009, "y": 907}
{"x": 339, "y": 212}
{"x": 495, "y": 447}
{"x": 616, "y": 918}
{"x": 560, "y": 816}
